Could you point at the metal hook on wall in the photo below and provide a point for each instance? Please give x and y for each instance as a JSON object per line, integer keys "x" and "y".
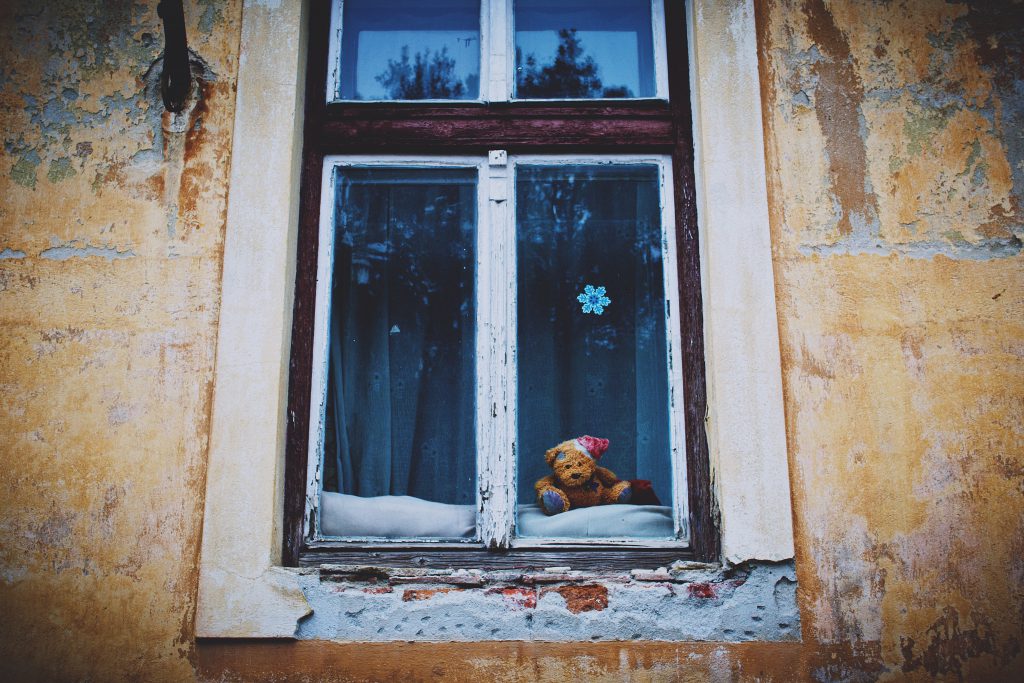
{"x": 176, "y": 77}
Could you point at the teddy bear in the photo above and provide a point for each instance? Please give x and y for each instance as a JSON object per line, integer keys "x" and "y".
{"x": 578, "y": 481}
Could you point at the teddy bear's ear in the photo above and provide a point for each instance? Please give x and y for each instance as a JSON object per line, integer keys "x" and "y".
{"x": 549, "y": 456}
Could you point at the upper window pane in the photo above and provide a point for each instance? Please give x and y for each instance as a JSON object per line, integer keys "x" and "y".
{"x": 583, "y": 49}
{"x": 410, "y": 50}
{"x": 399, "y": 446}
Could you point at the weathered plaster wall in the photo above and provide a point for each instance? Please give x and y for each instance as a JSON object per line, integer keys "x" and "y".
{"x": 111, "y": 231}
{"x": 896, "y": 157}
{"x": 896, "y": 173}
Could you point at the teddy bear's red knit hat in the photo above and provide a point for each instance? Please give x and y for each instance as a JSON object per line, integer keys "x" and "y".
{"x": 592, "y": 446}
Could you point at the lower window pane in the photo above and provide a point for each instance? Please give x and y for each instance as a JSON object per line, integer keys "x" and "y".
{"x": 400, "y": 455}
{"x": 592, "y": 352}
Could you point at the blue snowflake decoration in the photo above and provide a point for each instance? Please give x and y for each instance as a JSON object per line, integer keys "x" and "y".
{"x": 593, "y": 299}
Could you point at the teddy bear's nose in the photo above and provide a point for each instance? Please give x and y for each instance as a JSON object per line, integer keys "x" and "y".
{"x": 576, "y": 475}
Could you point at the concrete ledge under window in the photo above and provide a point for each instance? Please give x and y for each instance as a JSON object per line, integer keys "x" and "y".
{"x": 688, "y": 601}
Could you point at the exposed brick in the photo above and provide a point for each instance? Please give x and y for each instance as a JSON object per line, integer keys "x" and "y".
{"x": 587, "y": 598}
{"x": 424, "y": 593}
{"x": 702, "y": 590}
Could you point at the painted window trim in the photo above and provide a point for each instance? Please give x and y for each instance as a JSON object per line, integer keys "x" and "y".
{"x": 244, "y": 592}
{"x": 497, "y": 41}
{"x": 496, "y": 306}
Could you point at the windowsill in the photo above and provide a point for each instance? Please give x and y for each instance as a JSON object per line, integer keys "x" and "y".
{"x": 447, "y": 556}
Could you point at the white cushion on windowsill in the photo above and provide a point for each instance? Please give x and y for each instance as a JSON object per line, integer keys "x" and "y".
{"x": 408, "y": 517}
{"x": 600, "y": 521}
{"x": 393, "y": 517}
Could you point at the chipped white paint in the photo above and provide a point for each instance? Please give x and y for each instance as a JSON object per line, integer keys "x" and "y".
{"x": 499, "y": 32}
{"x": 660, "y": 49}
{"x": 745, "y": 423}
{"x": 333, "y": 86}
{"x": 242, "y": 537}
{"x": 496, "y": 356}
{"x": 496, "y": 362}
{"x": 321, "y": 339}
{"x": 241, "y": 593}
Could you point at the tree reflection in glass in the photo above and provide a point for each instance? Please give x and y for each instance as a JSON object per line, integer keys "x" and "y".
{"x": 570, "y": 75}
{"x": 583, "y": 49}
{"x": 410, "y": 50}
{"x": 425, "y": 77}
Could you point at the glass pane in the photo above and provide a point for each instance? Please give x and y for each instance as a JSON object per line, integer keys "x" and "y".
{"x": 583, "y": 49}
{"x": 410, "y": 50}
{"x": 400, "y": 453}
{"x": 592, "y": 352}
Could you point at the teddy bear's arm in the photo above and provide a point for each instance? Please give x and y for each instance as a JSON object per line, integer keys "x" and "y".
{"x": 545, "y": 483}
{"x": 605, "y": 476}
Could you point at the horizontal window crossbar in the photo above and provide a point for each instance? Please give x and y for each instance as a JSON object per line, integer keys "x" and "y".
{"x": 511, "y": 133}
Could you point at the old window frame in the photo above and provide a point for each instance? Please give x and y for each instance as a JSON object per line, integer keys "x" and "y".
{"x": 541, "y": 128}
{"x": 496, "y": 367}
{"x": 245, "y": 589}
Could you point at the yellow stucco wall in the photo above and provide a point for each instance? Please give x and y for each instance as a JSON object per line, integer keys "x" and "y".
{"x": 111, "y": 229}
{"x": 896, "y": 179}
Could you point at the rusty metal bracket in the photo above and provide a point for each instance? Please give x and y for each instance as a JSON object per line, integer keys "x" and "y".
{"x": 176, "y": 76}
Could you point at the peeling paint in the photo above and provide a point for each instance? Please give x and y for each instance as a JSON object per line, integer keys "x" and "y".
{"x": 70, "y": 251}
{"x": 901, "y": 340}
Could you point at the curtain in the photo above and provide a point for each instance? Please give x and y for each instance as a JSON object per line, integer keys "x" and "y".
{"x": 401, "y": 382}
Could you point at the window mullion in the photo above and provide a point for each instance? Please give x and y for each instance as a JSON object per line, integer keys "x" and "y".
{"x": 673, "y": 320}
{"x": 499, "y": 37}
{"x": 495, "y": 358}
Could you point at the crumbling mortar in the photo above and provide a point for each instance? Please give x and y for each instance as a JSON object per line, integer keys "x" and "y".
{"x": 743, "y": 602}
{"x": 678, "y": 572}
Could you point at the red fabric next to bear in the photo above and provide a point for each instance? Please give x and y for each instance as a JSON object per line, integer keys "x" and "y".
{"x": 643, "y": 493}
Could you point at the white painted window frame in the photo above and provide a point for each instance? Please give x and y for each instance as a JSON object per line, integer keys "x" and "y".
{"x": 244, "y": 592}
{"x": 497, "y": 44}
{"x": 496, "y": 359}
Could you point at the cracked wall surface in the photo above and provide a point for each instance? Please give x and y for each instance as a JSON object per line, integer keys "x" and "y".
{"x": 894, "y": 134}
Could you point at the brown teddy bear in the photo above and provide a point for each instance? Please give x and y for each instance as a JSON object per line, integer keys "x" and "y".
{"x": 578, "y": 481}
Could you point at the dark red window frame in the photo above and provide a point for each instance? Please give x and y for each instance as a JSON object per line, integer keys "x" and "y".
{"x": 627, "y": 127}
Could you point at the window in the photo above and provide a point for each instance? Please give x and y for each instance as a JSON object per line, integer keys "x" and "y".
{"x": 258, "y": 441}
{"x": 488, "y": 269}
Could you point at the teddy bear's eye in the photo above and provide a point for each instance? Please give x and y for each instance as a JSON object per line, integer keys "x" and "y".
{"x": 560, "y": 456}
